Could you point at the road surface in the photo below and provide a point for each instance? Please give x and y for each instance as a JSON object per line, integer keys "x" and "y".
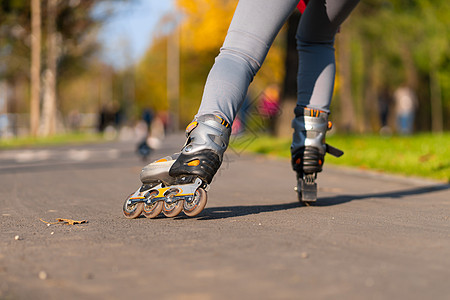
{"x": 370, "y": 236}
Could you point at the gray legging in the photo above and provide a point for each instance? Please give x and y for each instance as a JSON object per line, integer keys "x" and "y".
{"x": 252, "y": 31}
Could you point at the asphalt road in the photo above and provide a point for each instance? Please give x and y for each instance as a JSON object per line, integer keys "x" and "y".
{"x": 370, "y": 236}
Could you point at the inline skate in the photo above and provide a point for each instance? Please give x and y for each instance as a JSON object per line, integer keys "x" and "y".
{"x": 308, "y": 150}
{"x": 180, "y": 182}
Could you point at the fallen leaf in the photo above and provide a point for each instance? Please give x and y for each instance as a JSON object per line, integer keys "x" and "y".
{"x": 65, "y": 221}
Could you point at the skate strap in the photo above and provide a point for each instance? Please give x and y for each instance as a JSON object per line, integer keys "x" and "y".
{"x": 334, "y": 151}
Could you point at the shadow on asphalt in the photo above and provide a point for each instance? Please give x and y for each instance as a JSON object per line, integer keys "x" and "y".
{"x": 335, "y": 200}
{"x": 215, "y": 213}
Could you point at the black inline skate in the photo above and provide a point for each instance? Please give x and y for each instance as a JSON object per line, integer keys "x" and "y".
{"x": 308, "y": 150}
{"x": 180, "y": 182}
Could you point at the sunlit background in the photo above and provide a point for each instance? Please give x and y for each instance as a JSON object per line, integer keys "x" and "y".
{"x": 129, "y": 31}
{"x": 104, "y": 64}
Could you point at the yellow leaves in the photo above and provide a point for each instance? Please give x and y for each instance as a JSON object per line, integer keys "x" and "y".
{"x": 205, "y": 23}
{"x": 189, "y": 6}
{"x": 203, "y": 27}
{"x": 151, "y": 74}
{"x": 203, "y": 30}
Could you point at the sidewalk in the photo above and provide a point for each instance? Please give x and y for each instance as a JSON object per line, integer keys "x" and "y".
{"x": 369, "y": 236}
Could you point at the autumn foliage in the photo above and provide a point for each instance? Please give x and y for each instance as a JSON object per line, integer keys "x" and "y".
{"x": 203, "y": 25}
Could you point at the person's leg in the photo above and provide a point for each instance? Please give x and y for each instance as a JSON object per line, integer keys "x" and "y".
{"x": 316, "y": 74}
{"x": 254, "y": 26}
{"x": 251, "y": 33}
{"x": 315, "y": 40}
{"x": 317, "y": 65}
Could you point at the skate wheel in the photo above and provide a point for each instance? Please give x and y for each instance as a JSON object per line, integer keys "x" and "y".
{"x": 172, "y": 209}
{"x": 154, "y": 209}
{"x": 133, "y": 210}
{"x": 198, "y": 203}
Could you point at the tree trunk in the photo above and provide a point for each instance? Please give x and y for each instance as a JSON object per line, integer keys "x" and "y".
{"x": 49, "y": 106}
{"x": 289, "y": 93}
{"x": 437, "y": 123}
{"x": 35, "y": 66}
{"x": 173, "y": 76}
{"x": 347, "y": 108}
{"x": 371, "y": 97}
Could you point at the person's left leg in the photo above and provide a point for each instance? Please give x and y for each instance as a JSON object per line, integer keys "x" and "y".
{"x": 316, "y": 74}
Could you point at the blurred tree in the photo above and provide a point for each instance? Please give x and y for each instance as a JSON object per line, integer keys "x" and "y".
{"x": 402, "y": 43}
{"x": 432, "y": 53}
{"x": 49, "y": 99}
{"x": 69, "y": 52}
{"x": 288, "y": 99}
{"x": 151, "y": 76}
{"x": 205, "y": 23}
{"x": 35, "y": 65}
{"x": 15, "y": 45}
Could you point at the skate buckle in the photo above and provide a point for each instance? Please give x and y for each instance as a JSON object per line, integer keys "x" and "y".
{"x": 334, "y": 151}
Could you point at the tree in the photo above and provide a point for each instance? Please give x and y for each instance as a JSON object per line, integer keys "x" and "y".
{"x": 15, "y": 27}
{"x": 289, "y": 89}
{"x": 49, "y": 101}
{"x": 35, "y": 65}
{"x": 408, "y": 43}
{"x": 71, "y": 43}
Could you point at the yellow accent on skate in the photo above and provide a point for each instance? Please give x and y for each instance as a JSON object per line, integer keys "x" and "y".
{"x": 223, "y": 122}
{"x": 161, "y": 192}
{"x": 191, "y": 126}
{"x": 194, "y": 163}
{"x": 136, "y": 198}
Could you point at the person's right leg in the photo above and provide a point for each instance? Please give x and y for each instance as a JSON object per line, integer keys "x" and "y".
{"x": 254, "y": 27}
{"x": 252, "y": 31}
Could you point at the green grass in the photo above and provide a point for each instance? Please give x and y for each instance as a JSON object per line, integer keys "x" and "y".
{"x": 424, "y": 155}
{"x": 64, "y": 139}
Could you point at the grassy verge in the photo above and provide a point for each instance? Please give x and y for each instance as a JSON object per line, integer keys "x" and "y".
{"x": 65, "y": 139}
{"x": 425, "y": 155}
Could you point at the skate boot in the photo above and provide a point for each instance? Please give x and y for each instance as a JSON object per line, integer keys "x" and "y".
{"x": 180, "y": 181}
{"x": 308, "y": 150}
